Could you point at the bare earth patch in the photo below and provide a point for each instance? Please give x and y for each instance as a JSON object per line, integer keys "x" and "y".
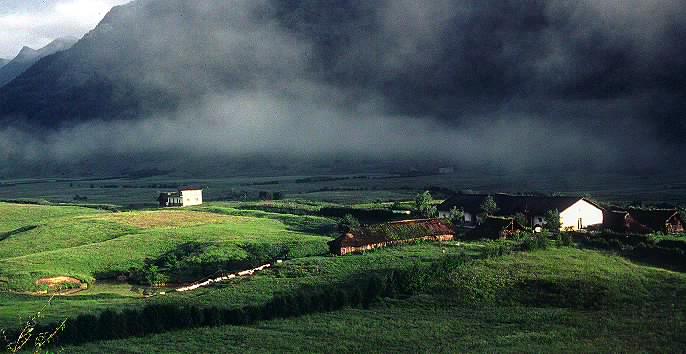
{"x": 63, "y": 285}
{"x": 167, "y": 218}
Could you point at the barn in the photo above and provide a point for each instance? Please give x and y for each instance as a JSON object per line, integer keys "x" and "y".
{"x": 185, "y": 196}
{"x": 371, "y": 237}
{"x": 667, "y": 221}
{"x": 622, "y": 222}
{"x": 576, "y": 213}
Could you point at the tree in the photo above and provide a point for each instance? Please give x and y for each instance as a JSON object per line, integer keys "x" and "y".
{"x": 151, "y": 273}
{"x": 488, "y": 207}
{"x": 348, "y": 224}
{"x": 456, "y": 216}
{"x": 424, "y": 206}
{"x": 552, "y": 221}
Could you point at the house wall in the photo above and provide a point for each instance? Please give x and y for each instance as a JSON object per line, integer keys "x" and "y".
{"x": 190, "y": 198}
{"x": 538, "y": 220}
{"x": 469, "y": 218}
{"x": 674, "y": 225}
{"x": 582, "y": 211}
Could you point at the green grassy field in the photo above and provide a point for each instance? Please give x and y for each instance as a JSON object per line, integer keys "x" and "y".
{"x": 16, "y": 216}
{"x": 558, "y": 300}
{"x": 287, "y": 277}
{"x": 90, "y": 247}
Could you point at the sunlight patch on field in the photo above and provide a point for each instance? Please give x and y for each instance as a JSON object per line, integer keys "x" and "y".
{"x": 169, "y": 219}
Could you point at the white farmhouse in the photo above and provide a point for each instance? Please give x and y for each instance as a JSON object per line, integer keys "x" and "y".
{"x": 575, "y": 213}
{"x": 186, "y": 196}
{"x": 580, "y": 215}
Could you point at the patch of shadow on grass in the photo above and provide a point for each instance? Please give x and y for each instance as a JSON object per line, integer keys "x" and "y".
{"x": 6, "y": 235}
{"x": 572, "y": 293}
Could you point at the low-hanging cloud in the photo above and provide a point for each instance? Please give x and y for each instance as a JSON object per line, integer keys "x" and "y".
{"x": 518, "y": 84}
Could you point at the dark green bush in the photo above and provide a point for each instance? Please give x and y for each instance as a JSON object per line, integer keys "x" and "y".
{"x": 532, "y": 242}
{"x": 212, "y": 316}
{"x": 86, "y": 327}
{"x": 374, "y": 288}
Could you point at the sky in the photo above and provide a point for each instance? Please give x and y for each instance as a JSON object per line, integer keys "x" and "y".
{"x": 35, "y": 23}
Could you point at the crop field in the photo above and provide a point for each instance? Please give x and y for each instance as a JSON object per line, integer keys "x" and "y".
{"x": 561, "y": 299}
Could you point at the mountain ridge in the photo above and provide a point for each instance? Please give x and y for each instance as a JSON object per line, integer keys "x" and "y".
{"x": 28, "y": 56}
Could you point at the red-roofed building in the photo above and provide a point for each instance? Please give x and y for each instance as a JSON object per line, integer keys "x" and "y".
{"x": 394, "y": 233}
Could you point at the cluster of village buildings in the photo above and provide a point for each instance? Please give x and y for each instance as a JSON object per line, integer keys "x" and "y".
{"x": 575, "y": 214}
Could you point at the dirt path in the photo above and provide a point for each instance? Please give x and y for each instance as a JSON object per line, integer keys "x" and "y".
{"x": 209, "y": 282}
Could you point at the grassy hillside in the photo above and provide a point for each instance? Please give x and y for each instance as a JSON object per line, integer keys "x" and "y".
{"x": 100, "y": 246}
{"x": 61, "y": 233}
{"x": 16, "y": 216}
{"x": 556, "y": 300}
{"x": 290, "y": 276}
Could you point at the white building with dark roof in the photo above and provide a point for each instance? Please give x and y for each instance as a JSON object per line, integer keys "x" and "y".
{"x": 576, "y": 213}
{"x": 184, "y": 197}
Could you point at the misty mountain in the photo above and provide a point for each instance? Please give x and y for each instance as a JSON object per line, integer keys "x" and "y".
{"x": 27, "y": 57}
{"x": 477, "y": 81}
{"x": 3, "y": 62}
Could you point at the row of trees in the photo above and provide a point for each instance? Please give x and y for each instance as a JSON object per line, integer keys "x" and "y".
{"x": 425, "y": 206}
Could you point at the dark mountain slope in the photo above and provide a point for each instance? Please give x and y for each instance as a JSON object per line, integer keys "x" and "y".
{"x": 463, "y": 62}
{"x": 27, "y": 57}
{"x": 148, "y": 57}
